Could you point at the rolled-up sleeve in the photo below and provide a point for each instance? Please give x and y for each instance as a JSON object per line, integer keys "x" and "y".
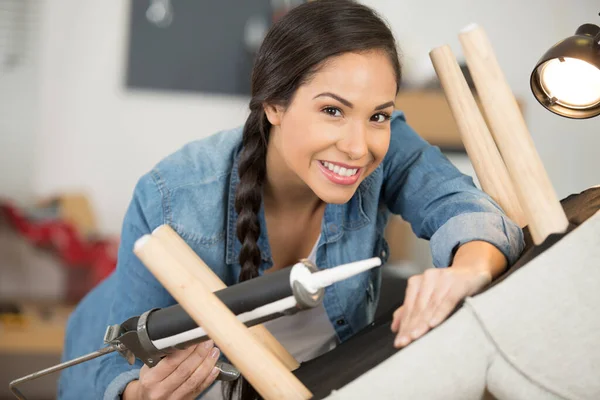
{"x": 483, "y": 226}
{"x": 442, "y": 204}
{"x": 117, "y": 386}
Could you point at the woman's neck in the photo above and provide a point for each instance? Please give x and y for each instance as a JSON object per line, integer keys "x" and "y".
{"x": 293, "y": 212}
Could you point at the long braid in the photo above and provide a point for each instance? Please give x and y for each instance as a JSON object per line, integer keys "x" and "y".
{"x": 248, "y": 198}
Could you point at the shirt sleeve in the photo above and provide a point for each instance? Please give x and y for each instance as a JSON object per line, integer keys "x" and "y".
{"x": 135, "y": 290}
{"x": 441, "y": 204}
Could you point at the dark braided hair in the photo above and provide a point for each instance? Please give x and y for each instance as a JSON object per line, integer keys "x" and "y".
{"x": 252, "y": 170}
{"x": 293, "y": 50}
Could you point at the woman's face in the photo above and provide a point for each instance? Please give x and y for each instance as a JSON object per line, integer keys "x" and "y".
{"x": 336, "y": 130}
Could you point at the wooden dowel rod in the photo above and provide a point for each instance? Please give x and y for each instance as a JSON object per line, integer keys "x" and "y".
{"x": 540, "y": 203}
{"x": 195, "y": 265}
{"x": 264, "y": 371}
{"x": 476, "y": 137}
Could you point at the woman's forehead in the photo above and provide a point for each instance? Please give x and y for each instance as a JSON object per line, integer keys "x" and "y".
{"x": 357, "y": 77}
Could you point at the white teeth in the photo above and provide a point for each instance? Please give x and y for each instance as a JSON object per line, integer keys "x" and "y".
{"x": 342, "y": 171}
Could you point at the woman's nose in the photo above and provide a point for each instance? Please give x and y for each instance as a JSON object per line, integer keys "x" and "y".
{"x": 354, "y": 142}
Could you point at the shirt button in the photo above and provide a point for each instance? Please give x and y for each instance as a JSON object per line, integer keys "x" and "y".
{"x": 333, "y": 228}
{"x": 340, "y": 321}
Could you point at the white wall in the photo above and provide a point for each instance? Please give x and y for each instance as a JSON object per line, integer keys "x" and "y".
{"x": 97, "y": 136}
{"x": 19, "y": 97}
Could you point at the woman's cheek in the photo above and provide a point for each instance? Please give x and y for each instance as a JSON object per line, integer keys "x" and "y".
{"x": 378, "y": 146}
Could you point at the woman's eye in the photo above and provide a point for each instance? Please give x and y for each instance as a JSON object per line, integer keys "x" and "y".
{"x": 381, "y": 117}
{"x": 334, "y": 112}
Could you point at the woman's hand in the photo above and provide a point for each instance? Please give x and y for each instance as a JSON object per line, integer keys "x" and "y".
{"x": 183, "y": 374}
{"x": 433, "y": 295}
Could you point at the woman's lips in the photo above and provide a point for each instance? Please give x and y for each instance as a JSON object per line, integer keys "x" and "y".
{"x": 339, "y": 179}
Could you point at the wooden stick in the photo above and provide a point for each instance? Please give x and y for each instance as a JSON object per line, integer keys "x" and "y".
{"x": 478, "y": 141}
{"x": 264, "y": 371}
{"x": 195, "y": 265}
{"x": 540, "y": 203}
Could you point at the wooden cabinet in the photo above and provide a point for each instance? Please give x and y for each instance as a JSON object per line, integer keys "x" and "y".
{"x": 428, "y": 113}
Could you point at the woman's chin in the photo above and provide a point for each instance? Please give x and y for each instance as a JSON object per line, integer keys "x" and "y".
{"x": 336, "y": 196}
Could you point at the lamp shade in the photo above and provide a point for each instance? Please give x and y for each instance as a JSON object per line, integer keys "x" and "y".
{"x": 566, "y": 80}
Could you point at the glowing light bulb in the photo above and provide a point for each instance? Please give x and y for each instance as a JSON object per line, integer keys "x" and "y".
{"x": 571, "y": 82}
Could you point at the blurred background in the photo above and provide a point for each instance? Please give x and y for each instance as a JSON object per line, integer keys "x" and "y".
{"x": 94, "y": 93}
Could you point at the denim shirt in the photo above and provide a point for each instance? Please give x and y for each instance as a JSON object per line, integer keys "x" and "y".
{"x": 193, "y": 191}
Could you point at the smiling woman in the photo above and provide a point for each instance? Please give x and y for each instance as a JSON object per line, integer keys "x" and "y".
{"x": 336, "y": 131}
{"x": 319, "y": 165}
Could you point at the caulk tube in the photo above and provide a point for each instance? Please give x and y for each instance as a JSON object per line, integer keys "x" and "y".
{"x": 240, "y": 298}
{"x": 300, "y": 299}
{"x": 258, "y": 300}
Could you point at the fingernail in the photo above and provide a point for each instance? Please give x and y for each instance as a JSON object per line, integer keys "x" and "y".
{"x": 208, "y": 344}
{"x": 214, "y": 353}
{"x": 416, "y": 333}
{"x": 401, "y": 341}
{"x": 215, "y": 371}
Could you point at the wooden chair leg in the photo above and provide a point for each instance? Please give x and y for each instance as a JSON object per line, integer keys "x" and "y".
{"x": 536, "y": 195}
{"x": 263, "y": 370}
{"x": 478, "y": 141}
{"x": 194, "y": 264}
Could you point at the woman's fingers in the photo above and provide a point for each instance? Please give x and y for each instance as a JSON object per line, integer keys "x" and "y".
{"x": 397, "y": 317}
{"x": 166, "y": 366}
{"x": 416, "y": 326}
{"x": 202, "y": 376}
{"x": 412, "y": 291}
{"x": 155, "y": 382}
{"x": 430, "y": 298}
{"x": 427, "y": 299}
{"x": 180, "y": 375}
{"x": 438, "y": 296}
{"x": 214, "y": 372}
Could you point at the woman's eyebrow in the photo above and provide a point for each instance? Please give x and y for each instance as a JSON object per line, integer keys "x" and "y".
{"x": 385, "y": 105}
{"x": 335, "y": 96}
{"x": 349, "y": 104}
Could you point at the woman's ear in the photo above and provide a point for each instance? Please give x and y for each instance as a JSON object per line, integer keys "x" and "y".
{"x": 274, "y": 113}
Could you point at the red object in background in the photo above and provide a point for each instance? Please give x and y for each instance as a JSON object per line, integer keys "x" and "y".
{"x": 94, "y": 259}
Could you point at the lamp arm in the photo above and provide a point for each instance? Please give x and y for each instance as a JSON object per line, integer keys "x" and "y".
{"x": 597, "y": 38}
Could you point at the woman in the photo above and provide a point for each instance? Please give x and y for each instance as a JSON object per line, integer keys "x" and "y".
{"x": 320, "y": 163}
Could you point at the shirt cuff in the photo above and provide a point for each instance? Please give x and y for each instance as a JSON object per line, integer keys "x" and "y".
{"x": 489, "y": 227}
{"x": 116, "y": 388}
